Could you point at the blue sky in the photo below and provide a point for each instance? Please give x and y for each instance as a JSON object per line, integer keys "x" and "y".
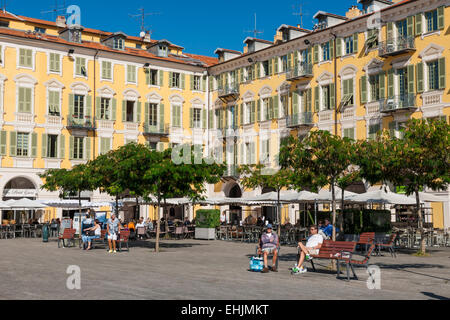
{"x": 199, "y": 26}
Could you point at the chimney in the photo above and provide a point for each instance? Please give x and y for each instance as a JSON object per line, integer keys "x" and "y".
{"x": 61, "y": 21}
{"x": 353, "y": 12}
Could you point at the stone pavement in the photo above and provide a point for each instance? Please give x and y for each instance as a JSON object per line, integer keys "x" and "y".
{"x": 202, "y": 270}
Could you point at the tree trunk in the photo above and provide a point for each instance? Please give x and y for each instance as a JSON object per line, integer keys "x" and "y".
{"x": 333, "y": 203}
{"x": 341, "y": 221}
{"x": 279, "y": 214}
{"x": 158, "y": 225}
{"x": 166, "y": 223}
{"x": 138, "y": 209}
{"x": 79, "y": 202}
{"x": 423, "y": 246}
{"x": 117, "y": 206}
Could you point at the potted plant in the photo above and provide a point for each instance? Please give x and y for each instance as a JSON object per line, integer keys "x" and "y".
{"x": 206, "y": 223}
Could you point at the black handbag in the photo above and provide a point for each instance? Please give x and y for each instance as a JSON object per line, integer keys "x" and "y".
{"x": 90, "y": 233}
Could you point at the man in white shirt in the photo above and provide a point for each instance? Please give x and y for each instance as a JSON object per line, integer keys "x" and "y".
{"x": 223, "y": 218}
{"x": 312, "y": 248}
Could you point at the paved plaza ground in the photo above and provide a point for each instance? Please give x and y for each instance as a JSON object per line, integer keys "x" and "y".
{"x": 193, "y": 270}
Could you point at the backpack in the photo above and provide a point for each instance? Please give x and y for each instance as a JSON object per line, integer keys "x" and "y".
{"x": 256, "y": 264}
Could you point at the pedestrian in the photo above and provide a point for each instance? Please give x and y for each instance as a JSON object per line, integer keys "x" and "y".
{"x": 112, "y": 229}
{"x": 92, "y": 233}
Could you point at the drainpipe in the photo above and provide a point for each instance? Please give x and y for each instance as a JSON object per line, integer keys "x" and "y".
{"x": 336, "y": 108}
{"x": 94, "y": 98}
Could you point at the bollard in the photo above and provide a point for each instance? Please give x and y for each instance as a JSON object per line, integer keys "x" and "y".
{"x": 45, "y": 233}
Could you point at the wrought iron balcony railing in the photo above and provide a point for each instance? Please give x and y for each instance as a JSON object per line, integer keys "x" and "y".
{"x": 158, "y": 130}
{"x": 399, "y": 103}
{"x": 229, "y": 91}
{"x": 80, "y": 122}
{"x": 300, "y": 71}
{"x": 300, "y": 119}
{"x": 396, "y": 46}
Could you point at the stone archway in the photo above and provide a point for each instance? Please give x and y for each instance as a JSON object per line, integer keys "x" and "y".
{"x": 18, "y": 188}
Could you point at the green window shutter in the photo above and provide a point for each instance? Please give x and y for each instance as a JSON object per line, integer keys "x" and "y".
{"x": 147, "y": 76}
{"x": 419, "y": 75}
{"x": 258, "y": 70}
{"x": 419, "y": 24}
{"x": 253, "y": 112}
{"x": 204, "y": 83}
{"x": 355, "y": 43}
{"x": 88, "y": 109}
{"x": 382, "y": 91}
{"x": 71, "y": 149}
{"x": 3, "y": 138}
{"x": 316, "y": 99}
{"x": 258, "y": 110}
{"x": 56, "y": 101}
{"x": 241, "y": 154}
{"x": 411, "y": 86}
{"x": 98, "y": 102}
{"x": 308, "y": 100}
{"x": 87, "y": 148}
{"x": 363, "y": 88}
{"x": 138, "y": 106}
{"x": 440, "y": 18}
{"x": 331, "y": 46}
{"x": 295, "y": 96}
{"x": 22, "y": 58}
{"x": 389, "y": 31}
{"x": 161, "y": 116}
{"x": 21, "y": 106}
{"x": 390, "y": 84}
{"x": 241, "y": 116}
{"x": 146, "y": 112}
{"x": 276, "y": 112}
{"x": 275, "y": 65}
{"x": 183, "y": 79}
{"x": 410, "y": 26}
{"x": 191, "y": 77}
{"x": 204, "y": 119}
{"x": 52, "y": 64}
{"x": 44, "y": 145}
{"x": 332, "y": 97}
{"x": 441, "y": 67}
{"x": 62, "y": 147}
{"x": 28, "y": 100}
{"x": 338, "y": 47}
{"x": 270, "y": 67}
{"x": 316, "y": 54}
{"x": 295, "y": 59}
{"x": 113, "y": 109}
{"x": 124, "y": 111}
{"x": 13, "y": 144}
{"x": 191, "y": 117}
{"x": 170, "y": 80}
{"x": 289, "y": 61}
{"x": 33, "y": 145}
{"x": 161, "y": 78}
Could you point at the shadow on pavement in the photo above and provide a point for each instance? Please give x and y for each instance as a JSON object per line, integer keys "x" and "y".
{"x": 434, "y": 296}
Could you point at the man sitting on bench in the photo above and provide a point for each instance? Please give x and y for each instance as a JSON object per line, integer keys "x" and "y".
{"x": 312, "y": 248}
{"x": 268, "y": 244}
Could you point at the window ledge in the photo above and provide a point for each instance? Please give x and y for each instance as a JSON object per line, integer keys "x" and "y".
{"x": 431, "y": 33}
{"x": 351, "y": 55}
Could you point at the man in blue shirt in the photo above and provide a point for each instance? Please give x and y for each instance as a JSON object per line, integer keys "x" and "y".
{"x": 328, "y": 229}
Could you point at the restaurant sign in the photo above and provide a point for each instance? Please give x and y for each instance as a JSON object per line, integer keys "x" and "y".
{"x": 20, "y": 193}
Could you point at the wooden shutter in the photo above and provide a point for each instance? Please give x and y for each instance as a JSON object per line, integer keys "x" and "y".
{"x": 124, "y": 111}
{"x": 98, "y": 107}
{"x": 253, "y": 112}
{"x": 183, "y": 81}
{"x": 295, "y": 96}
{"x": 88, "y": 108}
{"x": 275, "y": 65}
{"x": 390, "y": 84}
{"x": 289, "y": 62}
{"x": 440, "y": 18}
{"x": 419, "y": 75}
{"x": 338, "y": 47}
{"x": 363, "y": 88}
{"x": 87, "y": 148}
{"x": 332, "y": 97}
{"x": 389, "y": 31}
{"x": 411, "y": 86}
{"x": 113, "y": 109}
{"x": 316, "y": 53}
{"x": 276, "y": 112}
{"x": 62, "y": 147}
{"x": 419, "y": 24}
{"x": 316, "y": 99}
{"x": 13, "y": 144}
{"x": 331, "y": 48}
{"x": 442, "y": 75}
{"x": 258, "y": 110}
{"x": 33, "y": 145}
{"x": 21, "y": 106}
{"x": 138, "y": 107}
{"x": 191, "y": 117}
{"x": 308, "y": 100}
{"x": 161, "y": 117}
{"x": 147, "y": 112}
{"x": 410, "y": 26}
{"x": 192, "y": 81}
{"x": 204, "y": 83}
{"x": 44, "y": 145}
{"x": 3, "y": 138}
{"x": 204, "y": 119}
{"x": 355, "y": 43}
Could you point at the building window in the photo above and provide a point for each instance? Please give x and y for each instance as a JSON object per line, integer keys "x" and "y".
{"x": 78, "y": 106}
{"x": 53, "y": 103}
{"x": 25, "y": 58}
{"x": 25, "y": 100}
{"x": 78, "y": 148}
{"x": 432, "y": 20}
{"x": 131, "y": 74}
{"x": 105, "y": 108}
{"x": 347, "y": 93}
{"x": 374, "y": 129}
{"x": 326, "y": 97}
{"x": 55, "y": 62}
{"x": 433, "y": 75}
{"x": 196, "y": 83}
{"x": 176, "y": 116}
{"x": 175, "y": 80}
{"x": 284, "y": 64}
{"x": 106, "y": 70}
{"x": 348, "y": 45}
{"x": 265, "y": 69}
{"x": 153, "y": 114}
{"x": 402, "y": 29}
{"x": 326, "y": 51}
{"x": 105, "y": 145}
{"x": 129, "y": 109}
{"x": 163, "y": 51}
{"x": 284, "y": 100}
{"x": 197, "y": 117}
{"x": 22, "y": 144}
{"x": 153, "y": 77}
{"x": 52, "y": 146}
{"x": 349, "y": 133}
{"x": 80, "y": 67}
{"x": 268, "y": 108}
{"x": 39, "y": 30}
{"x": 119, "y": 44}
{"x": 374, "y": 82}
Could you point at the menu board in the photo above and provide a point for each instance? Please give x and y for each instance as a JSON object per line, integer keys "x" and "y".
{"x": 65, "y": 224}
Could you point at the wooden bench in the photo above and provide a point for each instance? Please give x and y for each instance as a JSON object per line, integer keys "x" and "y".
{"x": 333, "y": 250}
{"x": 349, "y": 261}
{"x": 124, "y": 236}
{"x": 389, "y": 246}
{"x": 366, "y": 239}
{"x": 69, "y": 235}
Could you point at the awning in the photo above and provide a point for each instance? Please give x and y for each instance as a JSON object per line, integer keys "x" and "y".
{"x": 25, "y": 204}
{"x": 380, "y": 196}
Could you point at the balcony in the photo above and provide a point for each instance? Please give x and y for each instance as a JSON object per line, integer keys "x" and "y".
{"x": 131, "y": 126}
{"x": 300, "y": 72}
{"x": 406, "y": 102}
{"x": 229, "y": 132}
{"x": 396, "y": 46}
{"x": 159, "y": 131}
{"x": 74, "y": 122}
{"x": 229, "y": 93}
{"x": 300, "y": 120}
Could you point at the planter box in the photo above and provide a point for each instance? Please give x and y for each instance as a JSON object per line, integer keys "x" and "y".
{"x": 205, "y": 233}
